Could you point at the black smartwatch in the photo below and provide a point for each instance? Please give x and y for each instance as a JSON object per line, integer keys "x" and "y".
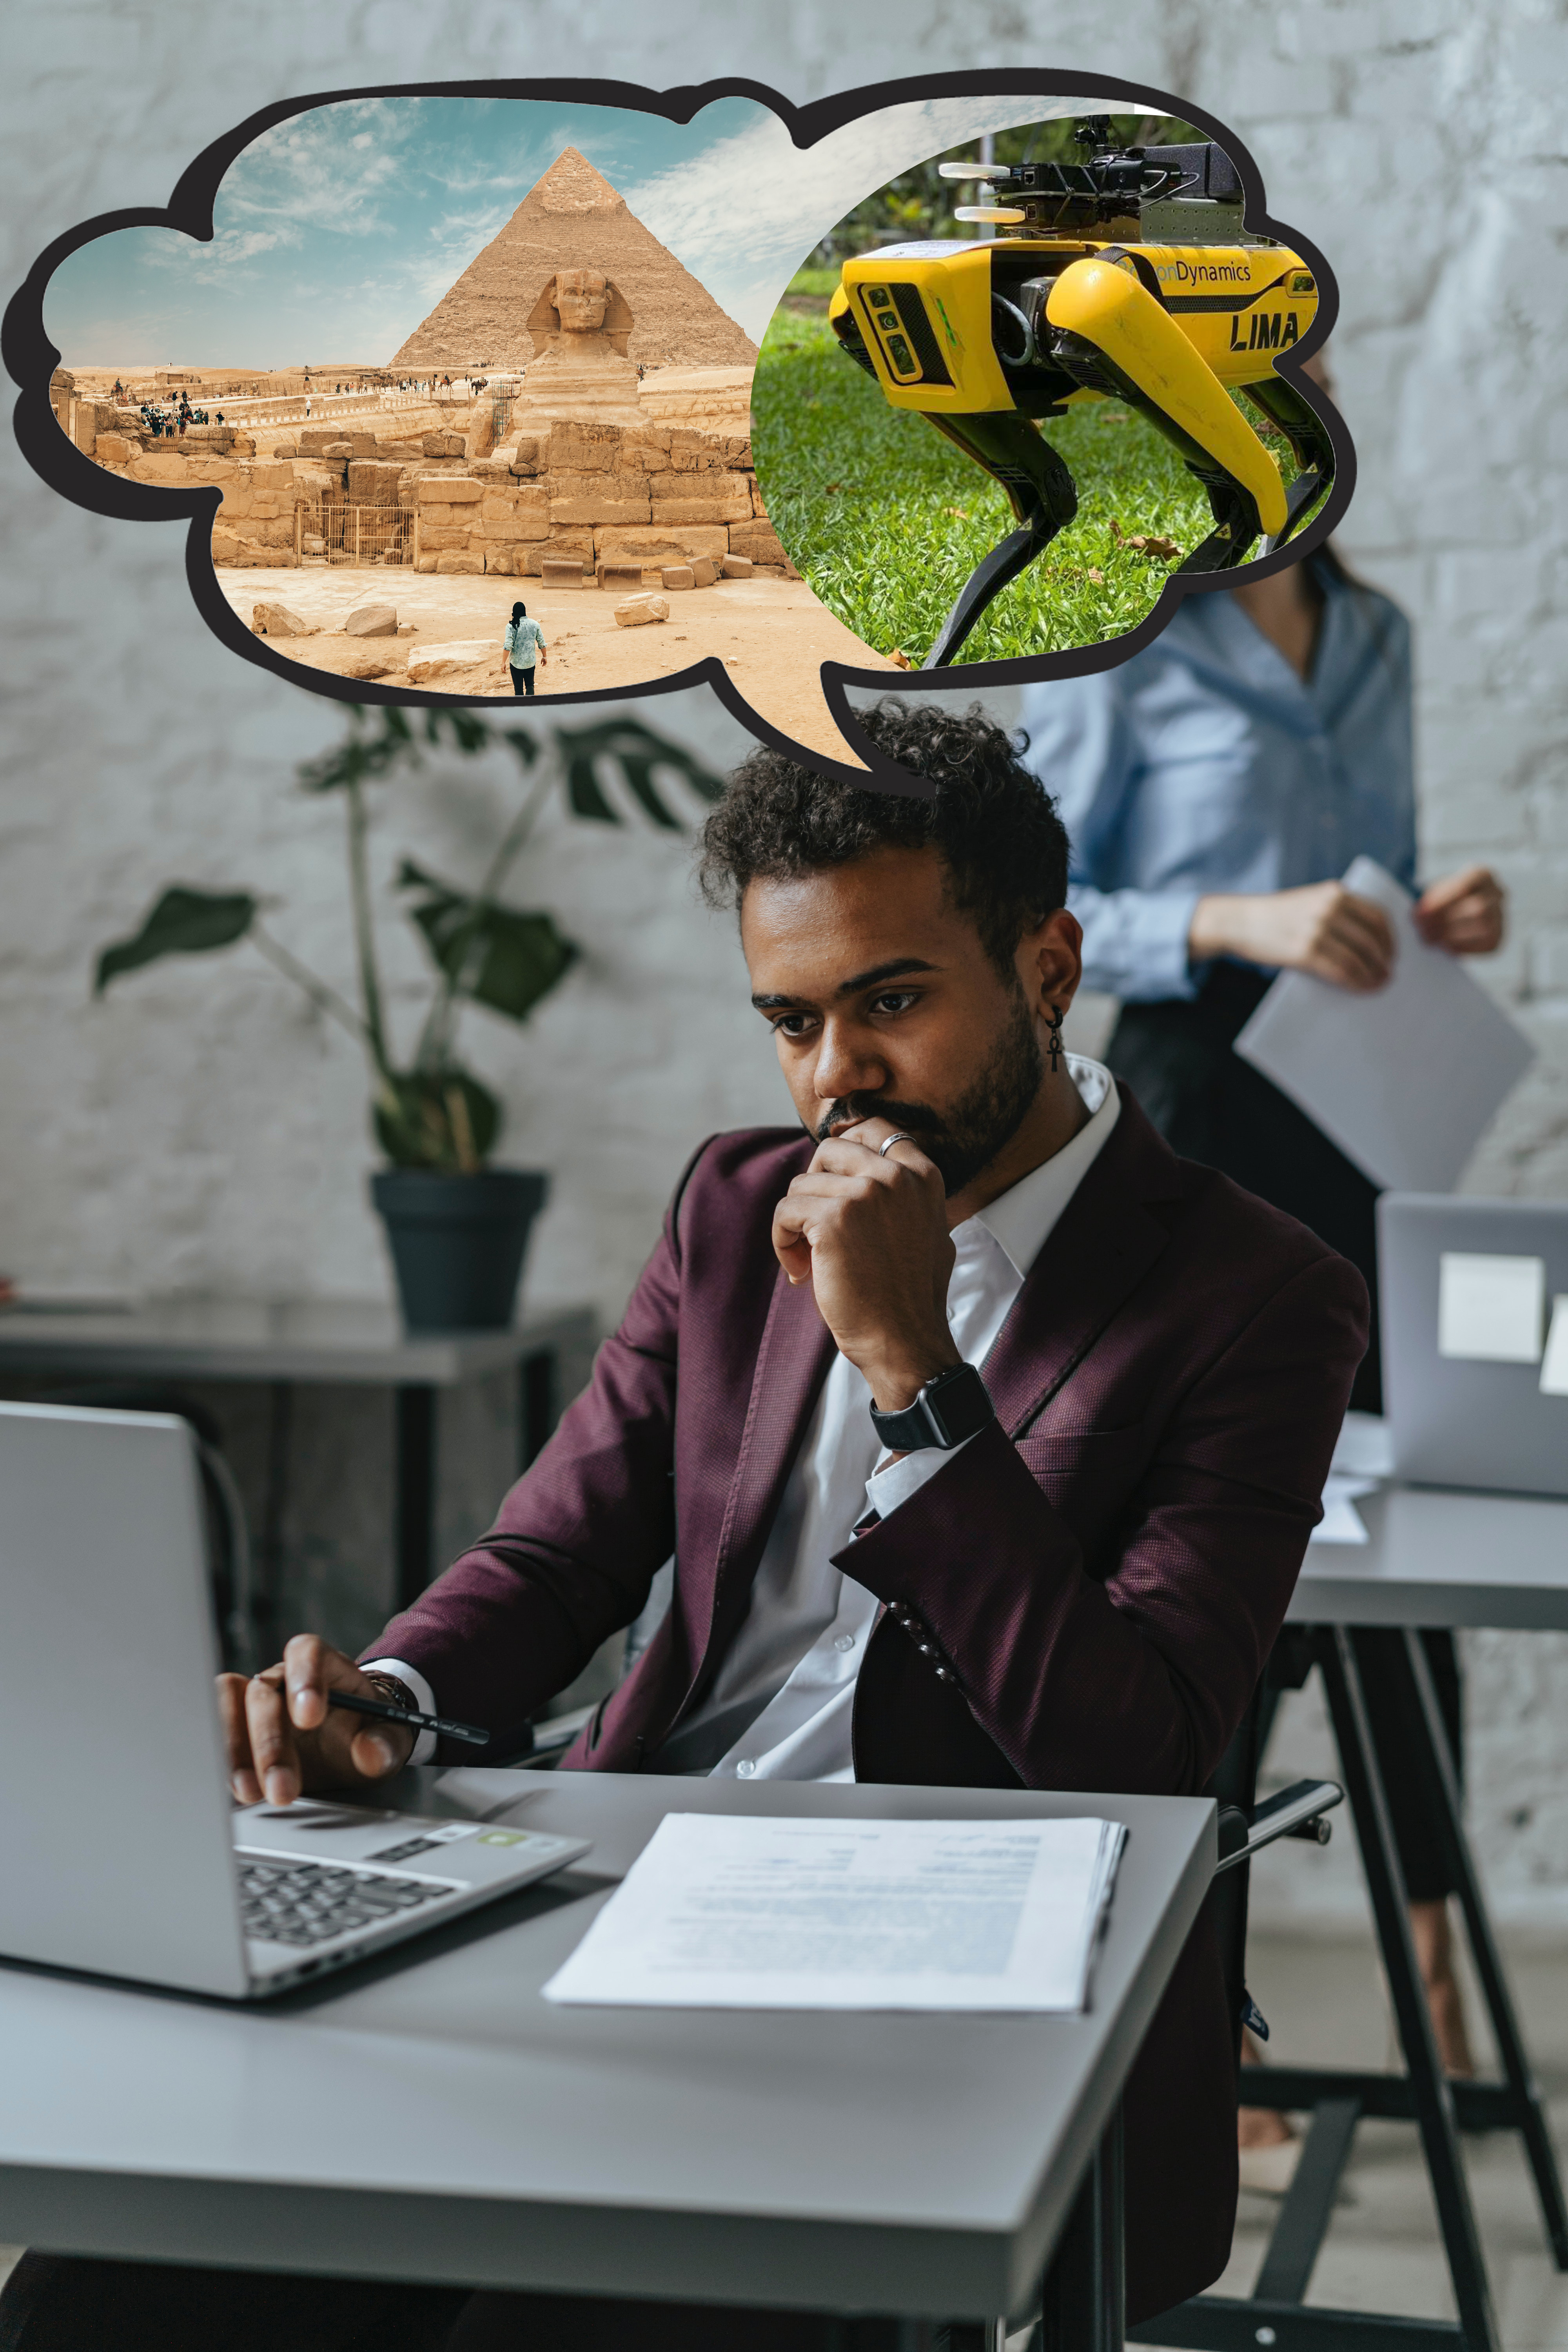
{"x": 955, "y": 1405}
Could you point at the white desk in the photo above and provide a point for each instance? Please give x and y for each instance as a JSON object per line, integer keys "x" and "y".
{"x": 471, "y": 2132}
{"x": 1440, "y": 1556}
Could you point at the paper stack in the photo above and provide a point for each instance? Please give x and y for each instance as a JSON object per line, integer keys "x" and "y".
{"x": 727, "y": 1911}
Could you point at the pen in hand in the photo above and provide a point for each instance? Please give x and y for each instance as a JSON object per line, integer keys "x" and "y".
{"x": 470, "y": 1734}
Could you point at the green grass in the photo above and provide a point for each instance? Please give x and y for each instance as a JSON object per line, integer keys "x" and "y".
{"x": 817, "y": 280}
{"x": 862, "y": 496}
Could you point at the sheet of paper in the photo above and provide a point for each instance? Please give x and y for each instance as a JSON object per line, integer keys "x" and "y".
{"x": 1554, "y": 1363}
{"x": 1490, "y": 1308}
{"x": 1341, "y": 1523}
{"x": 738, "y": 1911}
{"x": 1404, "y": 1081}
{"x": 1365, "y": 1448}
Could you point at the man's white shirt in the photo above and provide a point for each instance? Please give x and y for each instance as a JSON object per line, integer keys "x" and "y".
{"x": 789, "y": 1677}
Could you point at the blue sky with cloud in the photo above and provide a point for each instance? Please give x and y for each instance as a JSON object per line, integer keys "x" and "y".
{"x": 337, "y": 231}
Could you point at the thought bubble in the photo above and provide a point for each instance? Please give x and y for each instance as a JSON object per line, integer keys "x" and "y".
{"x": 410, "y": 359}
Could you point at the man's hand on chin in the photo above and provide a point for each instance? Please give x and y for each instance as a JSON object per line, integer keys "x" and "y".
{"x": 869, "y": 1234}
{"x": 282, "y": 1736}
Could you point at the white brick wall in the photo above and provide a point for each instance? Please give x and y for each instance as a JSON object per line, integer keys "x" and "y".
{"x": 199, "y": 1128}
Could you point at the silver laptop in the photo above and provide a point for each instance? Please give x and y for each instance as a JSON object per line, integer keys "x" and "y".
{"x": 120, "y": 1850}
{"x": 1474, "y": 1302}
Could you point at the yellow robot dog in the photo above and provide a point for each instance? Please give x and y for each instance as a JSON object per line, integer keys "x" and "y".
{"x": 1128, "y": 276}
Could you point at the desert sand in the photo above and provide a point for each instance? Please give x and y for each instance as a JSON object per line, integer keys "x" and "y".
{"x": 772, "y": 635}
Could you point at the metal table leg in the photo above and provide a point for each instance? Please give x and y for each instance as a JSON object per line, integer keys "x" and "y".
{"x": 537, "y": 1414}
{"x": 415, "y": 1476}
{"x": 1529, "y": 2115}
{"x": 1083, "y": 2303}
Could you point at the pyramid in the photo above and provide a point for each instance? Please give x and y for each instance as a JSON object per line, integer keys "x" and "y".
{"x": 573, "y": 219}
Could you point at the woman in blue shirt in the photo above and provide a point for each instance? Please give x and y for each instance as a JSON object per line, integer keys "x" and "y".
{"x": 521, "y": 648}
{"x": 1214, "y": 786}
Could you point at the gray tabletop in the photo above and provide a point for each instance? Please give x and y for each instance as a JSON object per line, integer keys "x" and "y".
{"x": 1440, "y": 1556}
{"x": 436, "y": 2119}
{"x": 196, "y": 1338}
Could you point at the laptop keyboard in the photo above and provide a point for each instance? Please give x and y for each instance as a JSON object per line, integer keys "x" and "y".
{"x": 305, "y": 1902}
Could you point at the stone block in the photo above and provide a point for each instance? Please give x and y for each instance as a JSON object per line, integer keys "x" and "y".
{"x": 449, "y": 489}
{"x": 614, "y": 504}
{"x": 561, "y": 572}
{"x": 286, "y": 449}
{"x": 112, "y": 449}
{"x": 371, "y": 621}
{"x": 225, "y": 547}
{"x": 459, "y": 559}
{"x": 710, "y": 497}
{"x": 319, "y": 440}
{"x": 576, "y": 448}
{"x": 438, "y": 661}
{"x": 426, "y": 564}
{"x": 636, "y": 610}
{"x": 499, "y": 558}
{"x": 277, "y": 621}
{"x": 237, "y": 502}
{"x": 266, "y": 507}
{"x": 757, "y": 540}
{"x": 737, "y": 567}
{"x": 757, "y": 507}
{"x": 374, "y": 483}
{"x": 677, "y": 575}
{"x": 435, "y": 516}
{"x": 272, "y": 475}
{"x": 362, "y": 445}
{"x": 442, "y": 445}
{"x": 704, "y": 573}
{"x": 663, "y": 542}
{"x": 618, "y": 574}
{"x": 343, "y": 450}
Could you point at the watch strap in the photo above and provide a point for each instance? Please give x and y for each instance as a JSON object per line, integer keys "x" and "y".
{"x": 957, "y": 1406}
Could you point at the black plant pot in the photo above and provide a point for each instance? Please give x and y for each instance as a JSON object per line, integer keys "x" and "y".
{"x": 457, "y": 1243}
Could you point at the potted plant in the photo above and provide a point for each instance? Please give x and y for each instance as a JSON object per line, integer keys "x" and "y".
{"x": 457, "y": 1227}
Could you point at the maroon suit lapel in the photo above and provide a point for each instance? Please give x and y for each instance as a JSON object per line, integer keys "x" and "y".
{"x": 1095, "y": 1255}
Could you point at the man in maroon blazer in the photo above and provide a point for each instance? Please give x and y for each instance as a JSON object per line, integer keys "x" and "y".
{"x": 1064, "y": 1572}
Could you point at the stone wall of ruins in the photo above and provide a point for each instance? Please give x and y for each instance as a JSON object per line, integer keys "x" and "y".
{"x": 650, "y": 494}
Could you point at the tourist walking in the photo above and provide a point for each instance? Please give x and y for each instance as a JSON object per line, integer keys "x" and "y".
{"x": 524, "y": 646}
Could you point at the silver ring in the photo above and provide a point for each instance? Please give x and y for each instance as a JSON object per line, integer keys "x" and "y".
{"x": 886, "y": 1147}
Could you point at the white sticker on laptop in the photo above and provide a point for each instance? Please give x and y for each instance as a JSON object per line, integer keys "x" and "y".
{"x": 1554, "y": 1363}
{"x": 429, "y": 1834}
{"x": 1490, "y": 1308}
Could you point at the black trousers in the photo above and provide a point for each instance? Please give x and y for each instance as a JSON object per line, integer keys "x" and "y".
{"x": 521, "y": 679}
{"x": 55, "y": 2304}
{"x": 1211, "y": 1106}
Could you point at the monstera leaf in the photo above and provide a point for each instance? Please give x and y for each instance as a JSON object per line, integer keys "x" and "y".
{"x": 636, "y": 751}
{"x": 494, "y": 955}
{"x": 442, "y": 1120}
{"x": 184, "y": 922}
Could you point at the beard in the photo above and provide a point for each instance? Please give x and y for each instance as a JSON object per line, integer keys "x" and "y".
{"x": 963, "y": 1139}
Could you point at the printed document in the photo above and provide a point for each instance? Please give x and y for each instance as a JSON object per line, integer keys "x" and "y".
{"x": 1405, "y": 1081}
{"x": 727, "y": 1911}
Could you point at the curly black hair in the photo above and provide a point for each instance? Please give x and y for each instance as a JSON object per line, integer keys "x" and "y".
{"x": 997, "y": 829}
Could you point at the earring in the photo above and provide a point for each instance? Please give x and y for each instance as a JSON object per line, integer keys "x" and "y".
{"x": 1054, "y": 1041}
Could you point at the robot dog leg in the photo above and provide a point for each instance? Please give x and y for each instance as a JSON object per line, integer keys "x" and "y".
{"x": 1043, "y": 496}
{"x": 1110, "y": 334}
